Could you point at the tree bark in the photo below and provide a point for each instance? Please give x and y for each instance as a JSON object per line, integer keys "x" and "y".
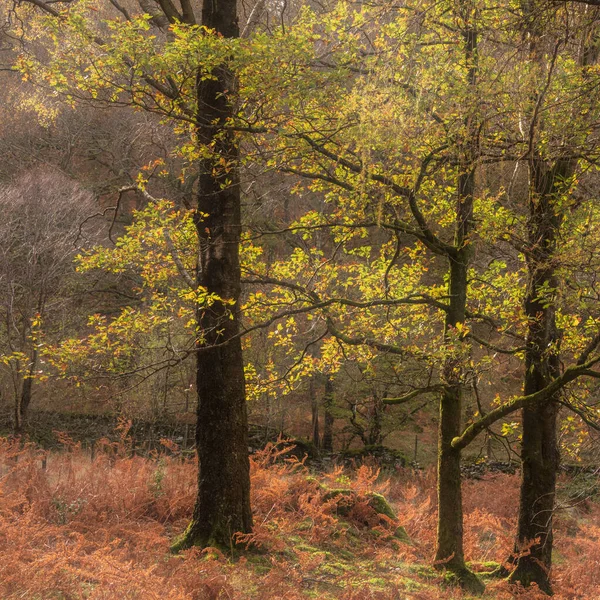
{"x": 449, "y": 550}
{"x": 327, "y": 440}
{"x": 223, "y": 504}
{"x": 27, "y": 390}
{"x": 539, "y": 448}
{"x": 314, "y": 406}
{"x": 23, "y": 401}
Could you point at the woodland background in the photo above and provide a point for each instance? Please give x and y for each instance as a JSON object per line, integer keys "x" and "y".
{"x": 418, "y": 249}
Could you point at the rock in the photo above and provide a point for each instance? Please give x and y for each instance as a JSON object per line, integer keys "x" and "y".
{"x": 349, "y": 498}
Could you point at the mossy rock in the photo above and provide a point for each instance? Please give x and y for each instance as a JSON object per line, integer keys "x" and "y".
{"x": 335, "y": 493}
{"x": 380, "y": 505}
{"x": 401, "y": 535}
{"x": 302, "y": 448}
{"x": 376, "y": 501}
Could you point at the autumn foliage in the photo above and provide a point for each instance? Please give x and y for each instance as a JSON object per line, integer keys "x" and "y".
{"x": 72, "y": 527}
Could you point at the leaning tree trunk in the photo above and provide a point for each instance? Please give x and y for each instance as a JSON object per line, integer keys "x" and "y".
{"x": 223, "y": 504}
{"x": 539, "y": 448}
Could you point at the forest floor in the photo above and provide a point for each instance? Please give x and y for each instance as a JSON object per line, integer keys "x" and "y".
{"x": 72, "y": 527}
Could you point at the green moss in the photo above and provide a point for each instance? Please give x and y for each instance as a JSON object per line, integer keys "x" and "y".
{"x": 306, "y": 548}
{"x": 412, "y": 585}
{"x": 465, "y": 579}
{"x": 259, "y": 562}
{"x": 305, "y": 525}
{"x": 262, "y": 569}
{"x": 378, "y": 582}
{"x": 345, "y": 554}
{"x": 426, "y": 571}
{"x": 401, "y": 535}
{"x": 182, "y": 542}
{"x": 485, "y": 569}
{"x": 380, "y": 505}
{"x": 335, "y": 568}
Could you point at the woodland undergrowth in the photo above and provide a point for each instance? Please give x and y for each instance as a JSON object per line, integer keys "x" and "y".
{"x": 72, "y": 527}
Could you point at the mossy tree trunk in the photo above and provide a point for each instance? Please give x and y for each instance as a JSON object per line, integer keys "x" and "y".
{"x": 223, "y": 503}
{"x": 549, "y": 180}
{"x": 24, "y": 396}
{"x": 539, "y": 448}
{"x": 449, "y": 550}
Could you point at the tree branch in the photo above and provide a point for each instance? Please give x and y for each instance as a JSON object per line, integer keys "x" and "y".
{"x": 494, "y": 347}
{"x": 254, "y": 18}
{"x": 170, "y": 11}
{"x": 413, "y": 394}
{"x": 427, "y": 234}
{"x": 170, "y": 245}
{"x": 570, "y": 374}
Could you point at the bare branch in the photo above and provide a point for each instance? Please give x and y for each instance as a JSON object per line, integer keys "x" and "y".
{"x": 254, "y": 18}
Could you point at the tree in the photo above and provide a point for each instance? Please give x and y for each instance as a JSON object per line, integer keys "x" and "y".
{"x": 551, "y": 175}
{"x": 223, "y": 504}
{"x": 452, "y": 125}
{"x": 371, "y": 183}
{"x": 44, "y": 223}
{"x": 204, "y": 104}
{"x": 399, "y": 119}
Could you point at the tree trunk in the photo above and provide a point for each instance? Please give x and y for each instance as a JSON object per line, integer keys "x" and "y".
{"x": 223, "y": 503}
{"x": 314, "y": 405}
{"x": 327, "y": 441}
{"x": 24, "y": 400}
{"x": 449, "y": 550}
{"x": 375, "y": 435}
{"x": 539, "y": 448}
{"x": 540, "y": 459}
